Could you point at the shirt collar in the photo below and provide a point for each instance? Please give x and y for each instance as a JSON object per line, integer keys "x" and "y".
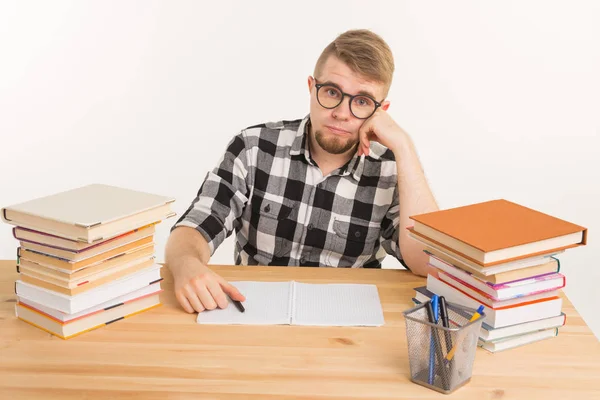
{"x": 299, "y": 146}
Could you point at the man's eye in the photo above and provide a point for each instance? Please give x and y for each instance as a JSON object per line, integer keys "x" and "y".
{"x": 363, "y": 102}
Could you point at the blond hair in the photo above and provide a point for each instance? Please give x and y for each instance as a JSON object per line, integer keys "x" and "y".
{"x": 364, "y": 52}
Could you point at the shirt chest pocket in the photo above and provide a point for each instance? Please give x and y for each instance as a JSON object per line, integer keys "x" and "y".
{"x": 353, "y": 239}
{"x": 273, "y": 225}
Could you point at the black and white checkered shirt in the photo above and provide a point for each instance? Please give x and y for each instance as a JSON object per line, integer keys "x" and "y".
{"x": 268, "y": 189}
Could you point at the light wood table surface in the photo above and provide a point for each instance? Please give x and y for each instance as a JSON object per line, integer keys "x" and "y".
{"x": 164, "y": 354}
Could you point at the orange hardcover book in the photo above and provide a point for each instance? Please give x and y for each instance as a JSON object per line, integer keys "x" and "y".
{"x": 497, "y": 231}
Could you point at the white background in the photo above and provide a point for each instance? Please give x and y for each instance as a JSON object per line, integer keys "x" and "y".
{"x": 502, "y": 100}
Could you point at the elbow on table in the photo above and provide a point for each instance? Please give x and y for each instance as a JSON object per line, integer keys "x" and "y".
{"x": 418, "y": 263}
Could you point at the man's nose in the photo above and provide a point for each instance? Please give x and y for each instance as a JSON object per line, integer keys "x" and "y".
{"x": 342, "y": 111}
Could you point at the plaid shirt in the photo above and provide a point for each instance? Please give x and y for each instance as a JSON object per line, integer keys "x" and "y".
{"x": 269, "y": 190}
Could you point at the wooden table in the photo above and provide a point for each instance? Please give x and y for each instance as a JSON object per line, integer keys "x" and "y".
{"x": 164, "y": 354}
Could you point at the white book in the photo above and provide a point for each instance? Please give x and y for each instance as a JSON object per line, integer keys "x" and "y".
{"x": 516, "y": 341}
{"x": 492, "y": 334}
{"x": 90, "y": 213}
{"x": 295, "y": 303}
{"x": 507, "y": 290}
{"x": 497, "y": 318}
{"x": 92, "y": 297}
{"x": 64, "y": 317}
{"x": 66, "y": 330}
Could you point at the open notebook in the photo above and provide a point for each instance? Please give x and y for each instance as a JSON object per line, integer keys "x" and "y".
{"x": 295, "y": 303}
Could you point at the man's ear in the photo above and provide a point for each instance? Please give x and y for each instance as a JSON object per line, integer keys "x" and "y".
{"x": 385, "y": 105}
{"x": 311, "y": 82}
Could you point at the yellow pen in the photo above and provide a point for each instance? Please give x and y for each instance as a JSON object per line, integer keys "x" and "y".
{"x": 476, "y": 315}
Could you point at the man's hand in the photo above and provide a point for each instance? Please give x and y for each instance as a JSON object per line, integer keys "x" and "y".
{"x": 198, "y": 288}
{"x": 380, "y": 127}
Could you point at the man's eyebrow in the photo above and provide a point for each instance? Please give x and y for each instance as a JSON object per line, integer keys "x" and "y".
{"x": 361, "y": 93}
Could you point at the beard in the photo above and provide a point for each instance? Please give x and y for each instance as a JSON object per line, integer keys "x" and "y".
{"x": 334, "y": 145}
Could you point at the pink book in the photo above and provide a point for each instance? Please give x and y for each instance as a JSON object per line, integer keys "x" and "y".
{"x": 508, "y": 290}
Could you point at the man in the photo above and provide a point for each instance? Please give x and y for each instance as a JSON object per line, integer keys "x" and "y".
{"x": 335, "y": 188}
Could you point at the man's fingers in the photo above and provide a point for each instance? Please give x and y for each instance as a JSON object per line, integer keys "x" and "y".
{"x": 232, "y": 291}
{"x": 192, "y": 297}
{"x": 364, "y": 149}
{"x": 363, "y": 142}
{"x": 184, "y": 302}
{"x": 217, "y": 294}
{"x": 205, "y": 297}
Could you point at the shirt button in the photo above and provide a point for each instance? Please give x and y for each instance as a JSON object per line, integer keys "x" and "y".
{"x": 302, "y": 260}
{"x": 310, "y": 227}
{"x": 357, "y": 234}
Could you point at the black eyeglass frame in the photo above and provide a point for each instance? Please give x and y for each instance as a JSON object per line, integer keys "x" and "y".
{"x": 350, "y": 96}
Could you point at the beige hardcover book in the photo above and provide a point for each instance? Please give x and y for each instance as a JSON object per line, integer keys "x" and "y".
{"x": 51, "y": 261}
{"x": 544, "y": 266}
{"x": 91, "y": 250}
{"x": 88, "y": 274}
{"x": 93, "y": 254}
{"x": 90, "y": 213}
{"x": 469, "y": 265}
{"x": 140, "y": 254}
{"x": 84, "y": 285}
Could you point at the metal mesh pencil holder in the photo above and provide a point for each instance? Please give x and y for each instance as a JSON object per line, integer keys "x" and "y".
{"x": 442, "y": 358}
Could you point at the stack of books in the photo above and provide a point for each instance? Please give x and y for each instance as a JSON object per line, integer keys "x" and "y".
{"x": 501, "y": 255}
{"x": 86, "y": 257}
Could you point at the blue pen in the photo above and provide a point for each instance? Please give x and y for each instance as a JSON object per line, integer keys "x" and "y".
{"x": 436, "y": 309}
{"x": 433, "y": 319}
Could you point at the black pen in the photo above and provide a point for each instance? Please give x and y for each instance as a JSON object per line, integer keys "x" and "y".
{"x": 238, "y": 305}
{"x": 447, "y": 336}
{"x": 445, "y": 323}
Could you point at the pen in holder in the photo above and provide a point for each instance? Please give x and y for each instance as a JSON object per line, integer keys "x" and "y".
{"x": 441, "y": 353}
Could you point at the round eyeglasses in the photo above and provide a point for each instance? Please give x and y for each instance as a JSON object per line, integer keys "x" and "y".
{"x": 330, "y": 96}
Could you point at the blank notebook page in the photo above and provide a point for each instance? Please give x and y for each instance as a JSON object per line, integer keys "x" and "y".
{"x": 267, "y": 303}
{"x": 336, "y": 305}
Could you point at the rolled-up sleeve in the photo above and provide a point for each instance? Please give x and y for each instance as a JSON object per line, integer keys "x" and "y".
{"x": 390, "y": 230}
{"x": 222, "y": 196}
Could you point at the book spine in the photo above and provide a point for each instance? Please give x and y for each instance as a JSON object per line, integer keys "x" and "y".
{"x": 557, "y": 262}
{"x": 527, "y": 281}
{"x": 4, "y": 218}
